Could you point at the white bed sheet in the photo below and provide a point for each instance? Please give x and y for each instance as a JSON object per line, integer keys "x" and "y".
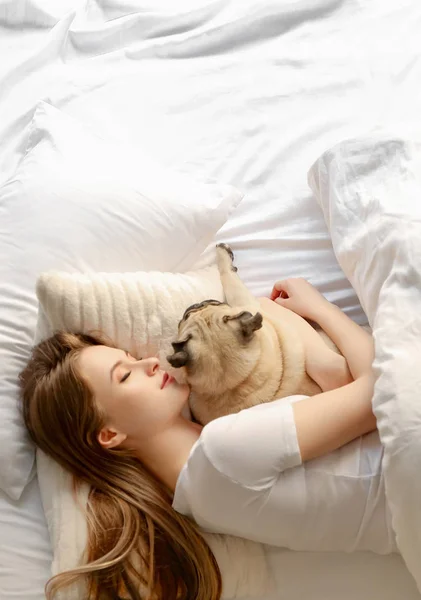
{"x": 25, "y": 552}
{"x": 246, "y": 91}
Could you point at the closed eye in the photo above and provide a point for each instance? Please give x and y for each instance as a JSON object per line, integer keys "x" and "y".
{"x": 125, "y": 376}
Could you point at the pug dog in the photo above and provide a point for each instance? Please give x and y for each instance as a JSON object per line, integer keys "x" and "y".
{"x": 235, "y": 355}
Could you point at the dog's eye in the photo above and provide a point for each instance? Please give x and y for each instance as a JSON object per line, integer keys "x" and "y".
{"x": 180, "y": 345}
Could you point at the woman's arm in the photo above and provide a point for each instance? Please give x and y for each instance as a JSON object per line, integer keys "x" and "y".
{"x": 353, "y": 341}
{"x": 256, "y": 444}
{"x": 330, "y": 420}
{"x": 356, "y": 345}
{"x": 325, "y": 366}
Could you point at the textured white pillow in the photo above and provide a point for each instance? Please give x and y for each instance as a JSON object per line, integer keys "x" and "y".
{"x": 139, "y": 312}
{"x": 77, "y": 203}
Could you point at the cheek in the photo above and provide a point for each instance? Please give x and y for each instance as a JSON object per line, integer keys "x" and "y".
{"x": 141, "y": 414}
{"x": 122, "y": 409}
{"x": 140, "y": 408}
{"x": 133, "y": 417}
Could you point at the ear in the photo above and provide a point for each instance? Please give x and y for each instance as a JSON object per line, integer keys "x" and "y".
{"x": 248, "y": 323}
{"x": 110, "y": 438}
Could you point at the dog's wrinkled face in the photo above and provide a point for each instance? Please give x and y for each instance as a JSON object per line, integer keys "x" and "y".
{"x": 217, "y": 345}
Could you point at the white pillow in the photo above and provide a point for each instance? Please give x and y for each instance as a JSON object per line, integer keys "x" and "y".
{"x": 370, "y": 193}
{"x": 140, "y": 312}
{"x": 77, "y": 203}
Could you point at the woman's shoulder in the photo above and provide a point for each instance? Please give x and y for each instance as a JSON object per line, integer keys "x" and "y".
{"x": 251, "y": 447}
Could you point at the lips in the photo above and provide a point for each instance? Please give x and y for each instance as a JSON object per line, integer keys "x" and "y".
{"x": 166, "y": 380}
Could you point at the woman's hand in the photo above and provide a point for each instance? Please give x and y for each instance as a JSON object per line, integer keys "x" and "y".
{"x": 355, "y": 344}
{"x": 300, "y": 296}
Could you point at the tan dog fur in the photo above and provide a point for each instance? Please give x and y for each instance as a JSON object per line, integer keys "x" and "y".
{"x": 232, "y": 357}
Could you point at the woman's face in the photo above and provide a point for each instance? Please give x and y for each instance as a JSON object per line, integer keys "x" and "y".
{"x": 139, "y": 399}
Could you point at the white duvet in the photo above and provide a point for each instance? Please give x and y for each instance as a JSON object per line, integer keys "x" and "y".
{"x": 370, "y": 193}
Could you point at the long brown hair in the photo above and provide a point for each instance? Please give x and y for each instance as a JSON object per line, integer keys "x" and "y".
{"x": 139, "y": 547}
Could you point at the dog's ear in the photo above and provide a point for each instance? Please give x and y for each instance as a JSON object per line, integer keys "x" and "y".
{"x": 181, "y": 356}
{"x": 248, "y": 323}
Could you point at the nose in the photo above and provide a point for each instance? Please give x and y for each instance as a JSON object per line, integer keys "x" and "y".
{"x": 151, "y": 365}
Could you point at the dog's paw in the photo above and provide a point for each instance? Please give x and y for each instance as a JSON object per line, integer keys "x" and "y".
{"x": 226, "y": 248}
{"x": 225, "y": 258}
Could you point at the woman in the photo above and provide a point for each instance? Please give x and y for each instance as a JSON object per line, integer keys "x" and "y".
{"x": 117, "y": 423}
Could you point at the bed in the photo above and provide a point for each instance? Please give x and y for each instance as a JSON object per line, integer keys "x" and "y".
{"x": 249, "y": 92}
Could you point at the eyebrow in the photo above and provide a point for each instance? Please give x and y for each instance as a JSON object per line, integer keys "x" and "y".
{"x": 117, "y": 364}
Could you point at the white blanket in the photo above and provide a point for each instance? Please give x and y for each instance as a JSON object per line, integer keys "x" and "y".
{"x": 370, "y": 193}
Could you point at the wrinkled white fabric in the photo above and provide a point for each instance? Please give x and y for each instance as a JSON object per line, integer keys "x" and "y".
{"x": 370, "y": 193}
{"x": 244, "y": 477}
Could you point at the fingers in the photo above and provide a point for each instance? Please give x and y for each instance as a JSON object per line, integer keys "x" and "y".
{"x": 283, "y": 302}
{"x": 279, "y": 290}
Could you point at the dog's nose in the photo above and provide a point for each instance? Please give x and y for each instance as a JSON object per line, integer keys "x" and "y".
{"x": 178, "y": 359}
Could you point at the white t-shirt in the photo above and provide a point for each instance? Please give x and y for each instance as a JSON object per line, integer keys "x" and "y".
{"x": 244, "y": 477}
